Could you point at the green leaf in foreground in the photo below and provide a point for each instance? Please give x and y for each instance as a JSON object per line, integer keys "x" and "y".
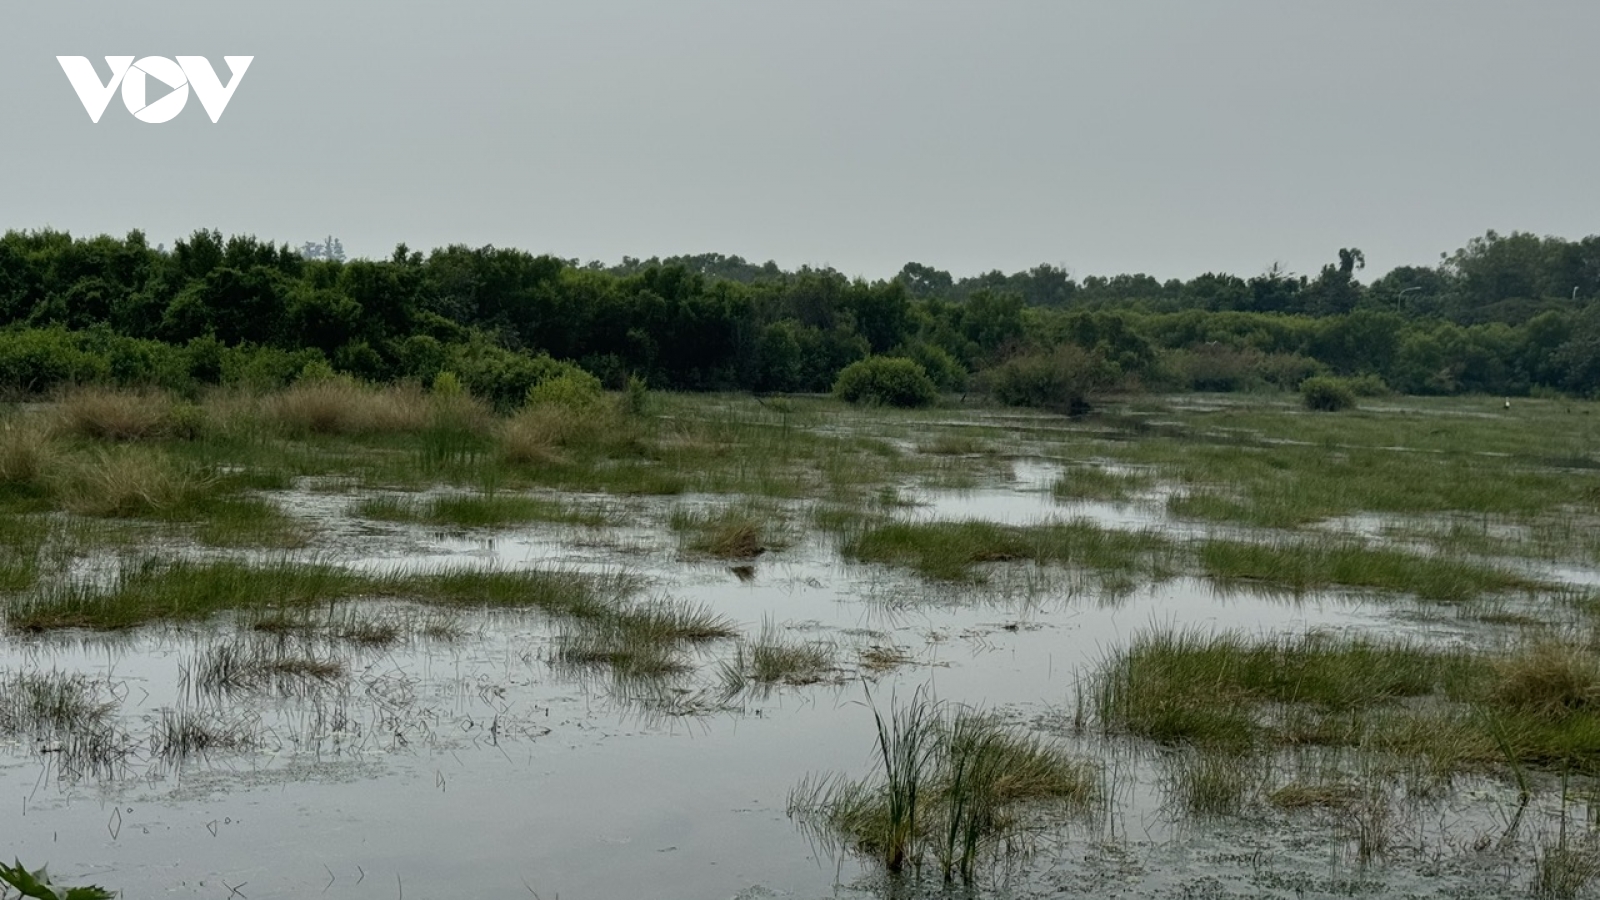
{"x": 37, "y": 884}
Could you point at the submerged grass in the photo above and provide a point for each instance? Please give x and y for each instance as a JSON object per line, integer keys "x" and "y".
{"x": 183, "y": 590}
{"x": 488, "y": 510}
{"x": 951, "y": 551}
{"x": 247, "y": 664}
{"x": 772, "y": 658}
{"x": 640, "y": 641}
{"x": 153, "y": 590}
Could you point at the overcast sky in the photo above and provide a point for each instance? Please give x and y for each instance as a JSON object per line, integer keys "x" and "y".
{"x": 1170, "y": 138}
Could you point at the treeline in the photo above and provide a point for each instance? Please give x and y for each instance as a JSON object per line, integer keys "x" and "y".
{"x": 1506, "y": 314}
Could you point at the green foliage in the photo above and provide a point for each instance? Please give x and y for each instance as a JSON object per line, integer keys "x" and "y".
{"x": 447, "y": 384}
{"x": 1064, "y": 379}
{"x": 947, "y": 372}
{"x": 887, "y": 381}
{"x": 574, "y": 389}
{"x": 1505, "y": 314}
{"x": 947, "y": 784}
{"x": 316, "y": 371}
{"x": 1368, "y": 385}
{"x": 1327, "y": 394}
{"x": 37, "y": 884}
{"x": 637, "y": 396}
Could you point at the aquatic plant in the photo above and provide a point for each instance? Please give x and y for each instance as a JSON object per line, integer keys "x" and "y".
{"x": 38, "y": 884}
{"x": 948, "y": 787}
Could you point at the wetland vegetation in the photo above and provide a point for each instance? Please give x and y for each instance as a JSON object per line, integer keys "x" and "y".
{"x": 1299, "y": 623}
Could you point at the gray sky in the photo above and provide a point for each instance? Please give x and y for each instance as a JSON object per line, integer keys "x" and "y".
{"x": 1170, "y": 138}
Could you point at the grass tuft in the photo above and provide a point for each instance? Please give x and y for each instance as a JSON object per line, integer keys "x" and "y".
{"x": 949, "y": 789}
{"x": 110, "y": 414}
{"x": 728, "y": 533}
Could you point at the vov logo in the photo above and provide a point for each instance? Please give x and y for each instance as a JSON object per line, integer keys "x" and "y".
{"x": 134, "y": 78}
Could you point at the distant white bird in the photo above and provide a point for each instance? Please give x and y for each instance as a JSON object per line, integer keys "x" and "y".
{"x": 1508, "y": 403}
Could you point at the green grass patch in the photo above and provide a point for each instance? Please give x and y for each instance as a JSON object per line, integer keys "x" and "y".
{"x": 1535, "y": 705}
{"x": 951, "y": 551}
{"x": 496, "y": 510}
{"x": 1307, "y": 565}
{"x": 1100, "y": 483}
{"x": 182, "y": 590}
{"x": 249, "y": 522}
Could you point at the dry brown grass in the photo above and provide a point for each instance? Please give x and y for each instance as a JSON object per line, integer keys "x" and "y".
{"x": 538, "y": 434}
{"x": 1548, "y": 680}
{"x": 112, "y": 414}
{"x": 26, "y": 451}
{"x": 345, "y": 407}
{"x": 128, "y": 482}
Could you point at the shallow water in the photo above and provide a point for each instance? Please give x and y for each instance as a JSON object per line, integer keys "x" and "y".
{"x": 474, "y": 767}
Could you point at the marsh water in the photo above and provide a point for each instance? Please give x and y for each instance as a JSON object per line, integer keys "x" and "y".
{"x": 463, "y": 761}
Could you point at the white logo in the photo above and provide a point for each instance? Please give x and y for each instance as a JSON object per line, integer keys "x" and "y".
{"x": 188, "y": 71}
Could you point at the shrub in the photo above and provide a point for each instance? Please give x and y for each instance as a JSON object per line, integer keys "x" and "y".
{"x": 886, "y": 380}
{"x": 1326, "y": 394}
{"x": 637, "y": 395}
{"x": 1062, "y": 379}
{"x": 1368, "y": 385}
{"x": 501, "y": 376}
{"x": 572, "y": 389}
{"x": 446, "y": 384}
{"x": 266, "y": 368}
{"x": 946, "y": 371}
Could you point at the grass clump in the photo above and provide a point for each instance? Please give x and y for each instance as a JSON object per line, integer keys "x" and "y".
{"x": 248, "y": 522}
{"x": 947, "y": 444}
{"x": 949, "y": 790}
{"x": 488, "y": 510}
{"x": 643, "y": 641}
{"x": 154, "y": 590}
{"x": 1210, "y": 782}
{"x": 1535, "y": 705}
{"x": 343, "y": 406}
{"x": 110, "y": 414}
{"x": 187, "y": 732}
{"x": 45, "y": 706}
{"x": 257, "y": 665}
{"x": 554, "y": 433}
{"x": 1303, "y": 795}
{"x": 1305, "y": 565}
{"x": 729, "y": 533}
{"x": 1099, "y": 483}
{"x": 773, "y": 659}
{"x": 949, "y": 551}
{"x": 1210, "y": 690}
{"x": 26, "y": 453}
{"x": 1564, "y": 868}
{"x": 131, "y": 482}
